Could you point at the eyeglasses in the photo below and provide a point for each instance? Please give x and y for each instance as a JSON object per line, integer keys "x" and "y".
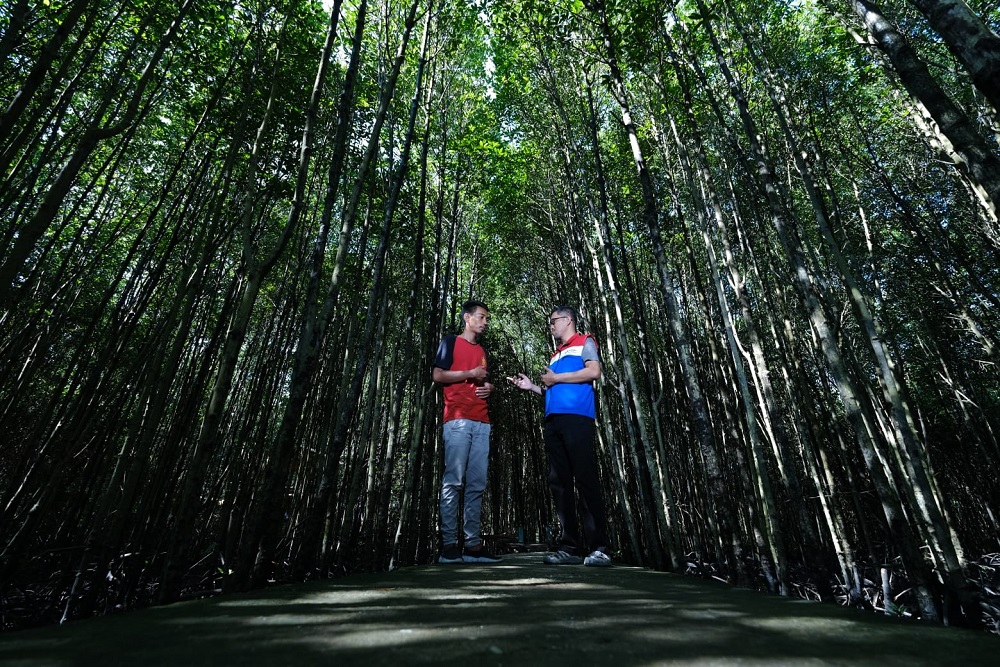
{"x": 553, "y": 321}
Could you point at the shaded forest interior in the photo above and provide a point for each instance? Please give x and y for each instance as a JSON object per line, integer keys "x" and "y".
{"x": 234, "y": 233}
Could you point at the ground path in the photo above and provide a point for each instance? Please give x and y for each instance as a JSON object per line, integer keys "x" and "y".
{"x": 518, "y": 612}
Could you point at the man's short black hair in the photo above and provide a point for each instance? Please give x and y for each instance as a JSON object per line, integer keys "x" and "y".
{"x": 563, "y": 309}
{"x": 469, "y": 307}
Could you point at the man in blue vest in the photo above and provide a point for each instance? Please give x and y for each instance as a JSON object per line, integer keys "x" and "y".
{"x": 567, "y": 385}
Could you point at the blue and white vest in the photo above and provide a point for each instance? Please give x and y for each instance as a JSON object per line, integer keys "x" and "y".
{"x": 571, "y": 398}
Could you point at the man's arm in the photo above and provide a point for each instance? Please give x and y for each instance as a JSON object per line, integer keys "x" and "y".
{"x": 441, "y": 376}
{"x": 590, "y": 372}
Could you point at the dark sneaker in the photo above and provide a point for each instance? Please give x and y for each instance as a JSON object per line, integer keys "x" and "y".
{"x": 451, "y": 554}
{"x": 597, "y": 559}
{"x": 561, "y": 558}
{"x": 480, "y": 555}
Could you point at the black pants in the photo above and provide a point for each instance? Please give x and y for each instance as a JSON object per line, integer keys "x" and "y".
{"x": 569, "y": 442}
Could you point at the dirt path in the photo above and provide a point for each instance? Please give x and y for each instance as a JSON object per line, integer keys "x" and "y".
{"x": 518, "y": 612}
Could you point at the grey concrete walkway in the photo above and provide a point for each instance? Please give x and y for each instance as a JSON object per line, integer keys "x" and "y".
{"x": 518, "y": 612}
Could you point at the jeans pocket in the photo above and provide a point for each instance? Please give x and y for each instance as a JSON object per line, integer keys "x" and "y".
{"x": 454, "y": 426}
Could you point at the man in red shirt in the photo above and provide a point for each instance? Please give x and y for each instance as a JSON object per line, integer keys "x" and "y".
{"x": 460, "y": 365}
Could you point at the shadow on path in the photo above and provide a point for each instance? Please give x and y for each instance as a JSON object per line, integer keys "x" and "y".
{"x": 518, "y": 612}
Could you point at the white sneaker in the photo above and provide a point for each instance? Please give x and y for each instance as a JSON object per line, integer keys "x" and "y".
{"x": 597, "y": 559}
{"x": 561, "y": 558}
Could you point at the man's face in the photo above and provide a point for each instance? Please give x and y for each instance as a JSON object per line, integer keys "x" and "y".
{"x": 560, "y": 325}
{"x": 477, "y": 320}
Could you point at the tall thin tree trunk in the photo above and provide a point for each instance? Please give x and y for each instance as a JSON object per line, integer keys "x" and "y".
{"x": 975, "y": 45}
{"x": 347, "y": 406}
{"x": 718, "y": 516}
{"x": 210, "y": 435}
{"x": 804, "y": 283}
{"x": 970, "y": 153}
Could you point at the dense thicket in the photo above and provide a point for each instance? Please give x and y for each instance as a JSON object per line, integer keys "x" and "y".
{"x": 233, "y": 234}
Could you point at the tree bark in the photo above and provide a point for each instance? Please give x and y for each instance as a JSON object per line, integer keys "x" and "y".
{"x": 970, "y": 154}
{"x": 975, "y": 45}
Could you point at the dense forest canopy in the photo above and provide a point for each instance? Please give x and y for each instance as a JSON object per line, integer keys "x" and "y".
{"x": 234, "y": 233}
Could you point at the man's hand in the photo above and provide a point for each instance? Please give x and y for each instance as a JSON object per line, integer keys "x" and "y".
{"x": 484, "y": 390}
{"x": 524, "y": 383}
{"x": 548, "y": 377}
{"x": 477, "y": 373}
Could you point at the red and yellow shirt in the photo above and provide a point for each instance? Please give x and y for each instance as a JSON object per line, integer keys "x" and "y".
{"x": 460, "y": 400}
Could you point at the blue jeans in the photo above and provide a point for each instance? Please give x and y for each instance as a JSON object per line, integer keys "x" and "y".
{"x": 466, "y": 455}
